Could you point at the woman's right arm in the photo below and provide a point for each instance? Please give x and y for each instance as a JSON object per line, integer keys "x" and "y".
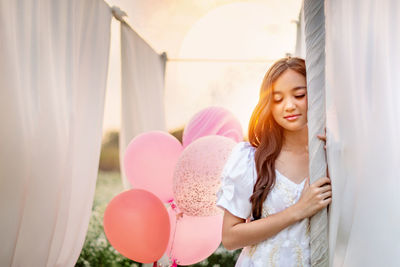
{"x": 236, "y": 233}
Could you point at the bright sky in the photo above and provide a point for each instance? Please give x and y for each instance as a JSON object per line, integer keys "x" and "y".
{"x": 237, "y": 41}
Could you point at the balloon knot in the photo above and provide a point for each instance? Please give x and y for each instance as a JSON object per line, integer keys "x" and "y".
{"x": 174, "y": 264}
{"x": 179, "y": 215}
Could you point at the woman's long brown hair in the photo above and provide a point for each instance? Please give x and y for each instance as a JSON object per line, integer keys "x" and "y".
{"x": 266, "y": 135}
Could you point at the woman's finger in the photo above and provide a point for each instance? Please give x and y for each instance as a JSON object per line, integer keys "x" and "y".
{"x": 307, "y": 183}
{"x": 326, "y": 188}
{"x": 326, "y": 194}
{"x": 322, "y": 137}
{"x": 327, "y": 201}
{"x": 322, "y": 181}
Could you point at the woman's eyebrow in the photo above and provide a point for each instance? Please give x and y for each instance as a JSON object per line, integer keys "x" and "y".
{"x": 293, "y": 89}
{"x": 299, "y": 87}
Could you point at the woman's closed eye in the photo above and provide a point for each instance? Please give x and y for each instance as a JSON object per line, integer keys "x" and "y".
{"x": 296, "y": 96}
{"x": 300, "y": 96}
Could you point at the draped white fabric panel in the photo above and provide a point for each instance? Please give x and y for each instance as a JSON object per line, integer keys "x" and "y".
{"x": 53, "y": 69}
{"x": 142, "y": 90}
{"x": 363, "y": 123}
{"x": 300, "y": 50}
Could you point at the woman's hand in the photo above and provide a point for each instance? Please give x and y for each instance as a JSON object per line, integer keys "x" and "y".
{"x": 323, "y": 138}
{"x": 314, "y": 197}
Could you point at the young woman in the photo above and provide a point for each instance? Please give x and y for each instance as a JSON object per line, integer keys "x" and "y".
{"x": 265, "y": 193}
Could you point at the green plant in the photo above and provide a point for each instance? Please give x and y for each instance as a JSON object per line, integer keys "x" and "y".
{"x": 97, "y": 251}
{"x": 109, "y": 155}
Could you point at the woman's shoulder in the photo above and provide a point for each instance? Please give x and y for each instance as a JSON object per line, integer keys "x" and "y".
{"x": 240, "y": 160}
{"x": 238, "y": 178}
{"x": 242, "y": 149}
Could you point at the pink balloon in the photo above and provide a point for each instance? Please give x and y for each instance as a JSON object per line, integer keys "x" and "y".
{"x": 212, "y": 121}
{"x": 149, "y": 161}
{"x": 198, "y": 173}
{"x": 137, "y": 225}
{"x": 195, "y": 239}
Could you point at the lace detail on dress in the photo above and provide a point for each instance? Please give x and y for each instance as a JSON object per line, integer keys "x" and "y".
{"x": 290, "y": 247}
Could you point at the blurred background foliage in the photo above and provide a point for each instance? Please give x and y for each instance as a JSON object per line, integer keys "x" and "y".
{"x": 109, "y": 155}
{"x": 97, "y": 251}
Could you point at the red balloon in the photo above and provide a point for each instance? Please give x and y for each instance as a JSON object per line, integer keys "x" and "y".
{"x": 137, "y": 225}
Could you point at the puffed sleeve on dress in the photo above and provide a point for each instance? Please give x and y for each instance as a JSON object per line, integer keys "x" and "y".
{"x": 237, "y": 181}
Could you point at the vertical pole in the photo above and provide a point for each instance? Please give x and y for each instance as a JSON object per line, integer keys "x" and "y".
{"x": 314, "y": 18}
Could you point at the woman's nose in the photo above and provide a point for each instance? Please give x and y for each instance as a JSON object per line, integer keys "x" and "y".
{"x": 290, "y": 106}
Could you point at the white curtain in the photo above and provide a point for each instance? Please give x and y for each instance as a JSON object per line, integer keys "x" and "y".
{"x": 53, "y": 69}
{"x": 300, "y": 49}
{"x": 363, "y": 123}
{"x": 142, "y": 90}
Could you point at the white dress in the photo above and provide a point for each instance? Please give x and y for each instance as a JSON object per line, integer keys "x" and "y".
{"x": 291, "y": 246}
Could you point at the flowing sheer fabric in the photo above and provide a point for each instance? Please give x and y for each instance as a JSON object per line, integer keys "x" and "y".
{"x": 363, "y": 127}
{"x": 300, "y": 50}
{"x": 142, "y": 90}
{"x": 53, "y": 69}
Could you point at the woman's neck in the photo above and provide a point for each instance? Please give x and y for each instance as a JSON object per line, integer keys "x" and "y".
{"x": 296, "y": 141}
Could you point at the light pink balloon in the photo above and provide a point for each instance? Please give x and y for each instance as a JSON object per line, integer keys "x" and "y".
{"x": 212, "y": 121}
{"x": 197, "y": 175}
{"x": 149, "y": 161}
{"x": 193, "y": 239}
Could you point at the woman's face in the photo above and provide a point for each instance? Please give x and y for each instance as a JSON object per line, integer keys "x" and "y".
{"x": 289, "y": 101}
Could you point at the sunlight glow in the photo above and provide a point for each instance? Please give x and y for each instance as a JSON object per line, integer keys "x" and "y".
{"x": 259, "y": 31}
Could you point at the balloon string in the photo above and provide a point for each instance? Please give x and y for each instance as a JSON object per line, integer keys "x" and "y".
{"x": 173, "y": 206}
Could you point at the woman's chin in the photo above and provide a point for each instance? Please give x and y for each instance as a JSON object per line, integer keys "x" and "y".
{"x": 294, "y": 127}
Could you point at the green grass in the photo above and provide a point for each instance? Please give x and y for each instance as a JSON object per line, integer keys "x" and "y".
{"x": 97, "y": 251}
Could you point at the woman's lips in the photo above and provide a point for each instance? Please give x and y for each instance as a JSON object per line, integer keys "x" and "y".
{"x": 292, "y": 118}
